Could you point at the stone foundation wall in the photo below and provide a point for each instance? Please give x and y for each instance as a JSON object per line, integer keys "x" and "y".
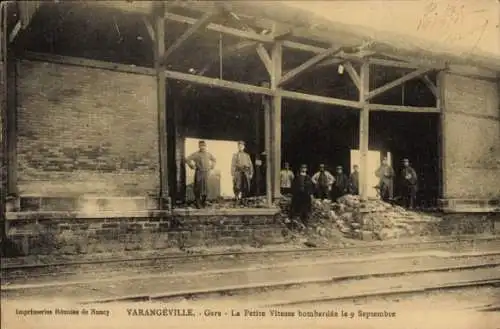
{"x": 72, "y": 236}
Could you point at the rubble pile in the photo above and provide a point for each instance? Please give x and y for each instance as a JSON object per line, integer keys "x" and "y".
{"x": 363, "y": 219}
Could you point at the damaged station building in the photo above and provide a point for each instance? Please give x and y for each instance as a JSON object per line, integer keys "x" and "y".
{"x": 103, "y": 100}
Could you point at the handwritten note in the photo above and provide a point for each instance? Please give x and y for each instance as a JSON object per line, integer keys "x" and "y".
{"x": 454, "y": 21}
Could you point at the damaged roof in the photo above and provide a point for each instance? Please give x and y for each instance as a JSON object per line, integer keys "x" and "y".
{"x": 291, "y": 19}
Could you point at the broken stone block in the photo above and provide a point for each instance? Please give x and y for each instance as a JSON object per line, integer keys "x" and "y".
{"x": 345, "y": 229}
{"x": 387, "y": 234}
{"x": 367, "y": 235}
{"x": 355, "y": 225}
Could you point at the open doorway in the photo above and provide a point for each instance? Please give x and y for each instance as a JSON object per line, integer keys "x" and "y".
{"x": 220, "y": 181}
{"x": 374, "y": 161}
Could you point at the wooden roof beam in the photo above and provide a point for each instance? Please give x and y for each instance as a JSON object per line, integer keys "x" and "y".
{"x": 150, "y": 29}
{"x": 353, "y": 74}
{"x": 308, "y": 64}
{"x": 402, "y": 108}
{"x": 432, "y": 87}
{"x": 198, "y": 25}
{"x": 397, "y": 82}
{"x": 221, "y": 29}
{"x": 265, "y": 58}
{"x": 248, "y": 35}
{"x": 261, "y": 50}
{"x": 224, "y": 84}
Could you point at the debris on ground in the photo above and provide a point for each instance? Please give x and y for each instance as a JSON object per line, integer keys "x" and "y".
{"x": 356, "y": 219}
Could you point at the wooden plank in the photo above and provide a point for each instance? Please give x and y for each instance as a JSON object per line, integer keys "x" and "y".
{"x": 413, "y": 61}
{"x": 277, "y": 58}
{"x": 266, "y": 103}
{"x": 392, "y": 63}
{"x": 15, "y": 31}
{"x": 308, "y": 64}
{"x": 249, "y": 35}
{"x": 364, "y": 129}
{"x": 264, "y": 57}
{"x": 443, "y": 151}
{"x": 403, "y": 108}
{"x": 161, "y": 92}
{"x": 397, "y": 82}
{"x": 212, "y": 82}
{"x": 258, "y": 148}
{"x": 318, "y": 99}
{"x": 432, "y": 87}
{"x": 78, "y": 61}
{"x": 330, "y": 62}
{"x": 353, "y": 74}
{"x": 199, "y": 25}
{"x": 303, "y": 47}
{"x": 150, "y": 28}
{"x": 220, "y": 28}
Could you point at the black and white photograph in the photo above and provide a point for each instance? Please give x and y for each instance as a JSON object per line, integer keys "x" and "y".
{"x": 250, "y": 164}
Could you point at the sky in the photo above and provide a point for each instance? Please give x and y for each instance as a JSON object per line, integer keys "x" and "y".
{"x": 469, "y": 25}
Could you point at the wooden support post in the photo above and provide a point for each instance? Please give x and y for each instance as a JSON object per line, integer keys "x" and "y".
{"x": 276, "y": 58}
{"x": 364, "y": 129}
{"x": 3, "y": 128}
{"x": 258, "y": 151}
{"x": 441, "y": 105}
{"x": 11, "y": 125}
{"x": 159, "y": 52}
{"x": 267, "y": 141}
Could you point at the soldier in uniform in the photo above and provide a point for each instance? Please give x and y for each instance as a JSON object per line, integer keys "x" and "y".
{"x": 354, "y": 181}
{"x": 302, "y": 193}
{"x": 385, "y": 173}
{"x": 202, "y": 162}
{"x": 242, "y": 172}
{"x": 341, "y": 185}
{"x": 409, "y": 188}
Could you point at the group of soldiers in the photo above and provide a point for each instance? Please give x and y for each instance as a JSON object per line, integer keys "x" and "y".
{"x": 324, "y": 185}
{"x": 300, "y": 186}
{"x": 202, "y": 162}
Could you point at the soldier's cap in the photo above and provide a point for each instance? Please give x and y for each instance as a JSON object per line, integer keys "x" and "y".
{"x": 303, "y": 166}
{"x": 202, "y": 143}
{"x": 406, "y": 160}
{"x": 339, "y": 167}
{"x": 241, "y": 143}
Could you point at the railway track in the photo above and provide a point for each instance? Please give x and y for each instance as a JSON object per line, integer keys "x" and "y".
{"x": 191, "y": 262}
{"x": 346, "y": 287}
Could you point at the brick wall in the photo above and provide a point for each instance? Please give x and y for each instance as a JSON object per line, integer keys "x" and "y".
{"x": 82, "y": 236}
{"x": 86, "y": 131}
{"x": 472, "y": 138}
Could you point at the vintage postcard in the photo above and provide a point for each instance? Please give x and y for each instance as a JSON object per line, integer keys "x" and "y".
{"x": 250, "y": 164}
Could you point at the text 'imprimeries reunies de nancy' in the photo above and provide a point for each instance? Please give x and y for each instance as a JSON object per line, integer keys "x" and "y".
{"x": 260, "y": 313}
